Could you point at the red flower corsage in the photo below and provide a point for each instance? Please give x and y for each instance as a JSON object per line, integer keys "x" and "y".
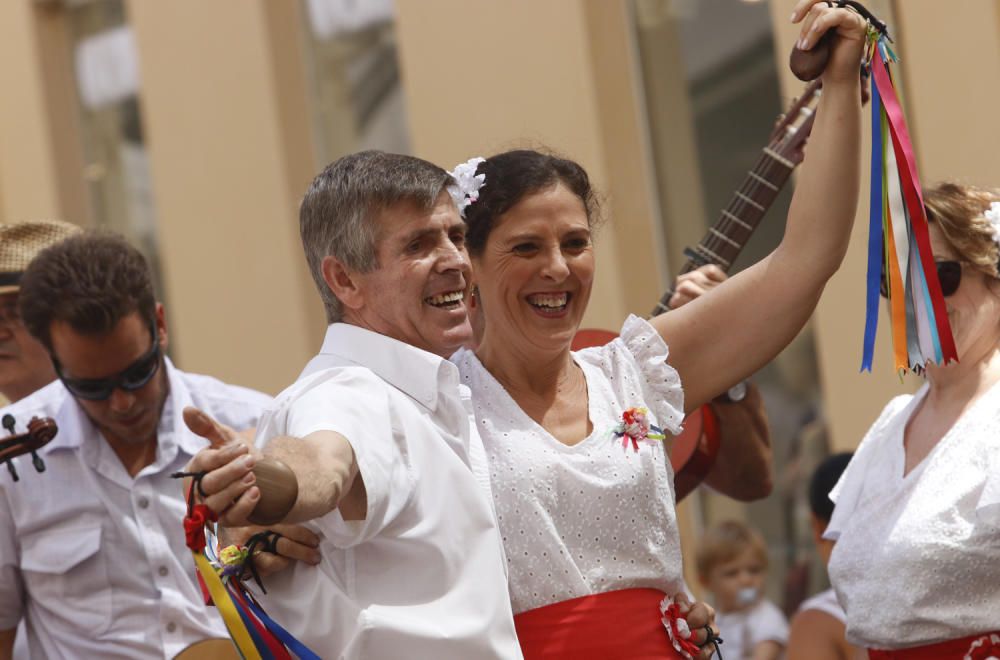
{"x": 635, "y": 428}
{"x": 986, "y": 647}
{"x": 678, "y": 629}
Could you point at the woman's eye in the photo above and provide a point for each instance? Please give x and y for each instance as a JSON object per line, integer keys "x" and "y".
{"x": 577, "y": 244}
{"x": 524, "y": 248}
{"x": 458, "y": 239}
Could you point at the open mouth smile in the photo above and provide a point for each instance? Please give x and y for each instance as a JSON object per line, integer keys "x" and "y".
{"x": 450, "y": 300}
{"x": 551, "y": 303}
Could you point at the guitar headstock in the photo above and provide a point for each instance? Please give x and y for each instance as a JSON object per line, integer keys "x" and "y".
{"x": 793, "y": 127}
{"x": 790, "y": 134}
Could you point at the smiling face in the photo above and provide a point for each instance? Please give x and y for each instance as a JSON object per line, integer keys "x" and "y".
{"x": 24, "y": 362}
{"x": 974, "y": 308}
{"x": 418, "y": 291}
{"x": 536, "y": 272}
{"x": 125, "y": 418}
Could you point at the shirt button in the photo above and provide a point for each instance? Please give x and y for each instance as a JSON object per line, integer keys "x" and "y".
{"x": 171, "y": 627}
{"x": 163, "y": 571}
{"x": 143, "y": 502}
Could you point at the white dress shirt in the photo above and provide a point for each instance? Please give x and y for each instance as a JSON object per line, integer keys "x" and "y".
{"x": 591, "y": 517}
{"x": 917, "y": 559}
{"x": 422, "y": 577}
{"x": 94, "y": 559}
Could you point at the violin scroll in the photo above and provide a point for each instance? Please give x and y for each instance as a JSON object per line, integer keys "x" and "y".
{"x": 40, "y": 432}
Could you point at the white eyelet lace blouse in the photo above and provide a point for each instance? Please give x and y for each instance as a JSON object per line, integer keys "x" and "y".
{"x": 917, "y": 559}
{"x": 592, "y": 517}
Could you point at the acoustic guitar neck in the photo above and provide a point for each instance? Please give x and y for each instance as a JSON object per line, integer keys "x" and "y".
{"x": 725, "y": 240}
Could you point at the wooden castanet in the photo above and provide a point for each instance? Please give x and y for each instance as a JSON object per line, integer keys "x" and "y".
{"x": 210, "y": 649}
{"x": 808, "y": 65}
{"x": 278, "y": 491}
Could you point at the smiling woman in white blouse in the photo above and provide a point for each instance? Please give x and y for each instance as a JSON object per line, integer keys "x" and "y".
{"x": 580, "y": 476}
{"x": 917, "y": 517}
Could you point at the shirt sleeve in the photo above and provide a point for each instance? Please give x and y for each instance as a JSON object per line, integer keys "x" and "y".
{"x": 768, "y": 624}
{"x": 11, "y": 584}
{"x": 356, "y": 404}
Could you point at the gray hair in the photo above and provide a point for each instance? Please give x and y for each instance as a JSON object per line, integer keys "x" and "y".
{"x": 338, "y": 216}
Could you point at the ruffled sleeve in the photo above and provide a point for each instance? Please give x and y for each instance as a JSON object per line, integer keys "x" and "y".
{"x": 661, "y": 383}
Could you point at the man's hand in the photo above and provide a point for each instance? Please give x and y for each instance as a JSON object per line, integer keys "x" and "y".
{"x": 696, "y": 283}
{"x": 228, "y": 486}
{"x": 699, "y": 616}
{"x": 296, "y": 544}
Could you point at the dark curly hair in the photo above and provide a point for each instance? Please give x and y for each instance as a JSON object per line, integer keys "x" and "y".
{"x": 512, "y": 176}
{"x": 89, "y": 281}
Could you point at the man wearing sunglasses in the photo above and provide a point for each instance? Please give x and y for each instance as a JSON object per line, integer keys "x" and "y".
{"x": 24, "y": 363}
{"x": 92, "y": 557}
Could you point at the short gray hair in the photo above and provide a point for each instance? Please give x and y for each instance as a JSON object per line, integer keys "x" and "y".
{"x": 338, "y": 216}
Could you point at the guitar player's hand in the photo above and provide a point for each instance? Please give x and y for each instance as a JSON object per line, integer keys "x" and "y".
{"x": 696, "y": 283}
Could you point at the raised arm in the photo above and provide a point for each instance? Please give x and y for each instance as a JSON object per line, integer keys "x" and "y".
{"x": 742, "y": 469}
{"x": 726, "y": 335}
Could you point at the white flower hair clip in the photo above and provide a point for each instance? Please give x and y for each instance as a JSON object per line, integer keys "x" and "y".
{"x": 467, "y": 183}
{"x": 993, "y": 216}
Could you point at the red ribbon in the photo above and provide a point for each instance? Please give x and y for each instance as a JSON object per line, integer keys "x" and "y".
{"x": 194, "y": 526}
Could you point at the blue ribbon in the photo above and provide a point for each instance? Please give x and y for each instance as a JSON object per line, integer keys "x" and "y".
{"x": 293, "y": 645}
{"x": 875, "y": 251}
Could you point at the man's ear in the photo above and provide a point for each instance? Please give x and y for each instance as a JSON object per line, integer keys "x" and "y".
{"x": 343, "y": 283}
{"x": 161, "y": 326}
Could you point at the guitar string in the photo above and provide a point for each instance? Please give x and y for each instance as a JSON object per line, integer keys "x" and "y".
{"x": 765, "y": 166}
{"x": 749, "y": 188}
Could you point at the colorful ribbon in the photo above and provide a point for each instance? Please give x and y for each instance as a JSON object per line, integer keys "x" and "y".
{"x": 257, "y": 636}
{"x": 898, "y": 237}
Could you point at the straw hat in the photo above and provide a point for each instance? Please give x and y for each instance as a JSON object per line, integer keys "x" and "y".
{"x": 21, "y": 241}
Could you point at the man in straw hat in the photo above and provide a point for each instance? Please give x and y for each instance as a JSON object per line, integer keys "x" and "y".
{"x": 24, "y": 363}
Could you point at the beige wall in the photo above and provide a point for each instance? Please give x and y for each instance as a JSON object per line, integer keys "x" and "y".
{"x": 227, "y": 125}
{"x": 525, "y": 82}
{"x": 40, "y": 157}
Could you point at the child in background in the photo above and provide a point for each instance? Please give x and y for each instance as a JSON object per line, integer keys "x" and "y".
{"x": 818, "y": 627}
{"x": 732, "y": 564}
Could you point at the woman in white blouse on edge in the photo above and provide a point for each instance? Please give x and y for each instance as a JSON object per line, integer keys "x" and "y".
{"x": 589, "y": 525}
{"x": 917, "y": 517}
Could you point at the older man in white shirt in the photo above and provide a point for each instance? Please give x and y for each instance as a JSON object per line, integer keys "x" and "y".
{"x": 92, "y": 553}
{"x": 377, "y": 431}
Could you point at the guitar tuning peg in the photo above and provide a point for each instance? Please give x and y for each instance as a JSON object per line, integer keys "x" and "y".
{"x": 12, "y": 470}
{"x": 8, "y": 423}
{"x": 37, "y": 461}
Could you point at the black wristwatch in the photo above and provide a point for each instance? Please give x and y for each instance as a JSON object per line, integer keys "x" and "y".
{"x": 734, "y": 394}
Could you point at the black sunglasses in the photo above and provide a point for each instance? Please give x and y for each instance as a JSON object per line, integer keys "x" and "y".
{"x": 133, "y": 377}
{"x": 949, "y": 276}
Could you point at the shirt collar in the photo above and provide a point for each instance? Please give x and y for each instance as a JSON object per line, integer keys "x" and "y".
{"x": 416, "y": 372}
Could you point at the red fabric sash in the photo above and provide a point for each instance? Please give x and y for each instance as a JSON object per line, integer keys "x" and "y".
{"x": 953, "y": 649}
{"x": 613, "y": 625}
